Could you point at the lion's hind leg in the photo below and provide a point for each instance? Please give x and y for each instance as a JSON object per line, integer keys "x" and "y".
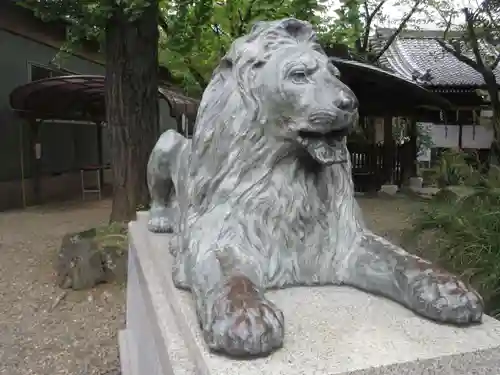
{"x": 377, "y": 266}
{"x": 235, "y": 316}
{"x": 162, "y": 170}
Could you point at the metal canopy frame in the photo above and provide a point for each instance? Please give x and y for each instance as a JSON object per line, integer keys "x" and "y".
{"x": 70, "y": 98}
{"x": 80, "y": 97}
{"x": 382, "y": 92}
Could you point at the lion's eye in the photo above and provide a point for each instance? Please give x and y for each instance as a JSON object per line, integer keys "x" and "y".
{"x": 298, "y": 76}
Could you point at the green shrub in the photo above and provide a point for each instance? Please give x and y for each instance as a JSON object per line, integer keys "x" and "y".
{"x": 452, "y": 169}
{"x": 466, "y": 239}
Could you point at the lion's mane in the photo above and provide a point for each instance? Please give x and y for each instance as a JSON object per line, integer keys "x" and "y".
{"x": 230, "y": 116}
{"x": 228, "y": 145}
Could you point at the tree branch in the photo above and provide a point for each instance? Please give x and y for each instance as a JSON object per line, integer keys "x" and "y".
{"x": 469, "y": 19}
{"x": 202, "y": 82}
{"x": 369, "y": 19}
{"x": 402, "y": 25}
{"x": 245, "y": 19}
{"x": 248, "y": 14}
{"x": 490, "y": 15}
{"x": 198, "y": 77}
{"x": 241, "y": 26}
{"x": 466, "y": 60}
{"x": 448, "y": 26}
{"x": 162, "y": 22}
{"x": 495, "y": 63}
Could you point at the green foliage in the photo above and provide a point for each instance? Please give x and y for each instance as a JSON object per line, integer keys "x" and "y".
{"x": 452, "y": 169}
{"x": 466, "y": 239}
{"x": 112, "y": 236}
{"x": 197, "y": 34}
{"x": 424, "y": 138}
{"x": 346, "y": 27}
{"x": 86, "y": 19}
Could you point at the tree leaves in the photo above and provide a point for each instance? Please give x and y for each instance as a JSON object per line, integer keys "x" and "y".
{"x": 86, "y": 18}
{"x": 196, "y": 34}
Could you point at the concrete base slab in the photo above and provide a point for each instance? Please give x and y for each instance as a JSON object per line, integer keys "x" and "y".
{"x": 125, "y": 355}
{"x": 329, "y": 330}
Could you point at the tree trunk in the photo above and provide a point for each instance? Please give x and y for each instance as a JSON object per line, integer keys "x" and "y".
{"x": 492, "y": 87}
{"x": 132, "y": 105}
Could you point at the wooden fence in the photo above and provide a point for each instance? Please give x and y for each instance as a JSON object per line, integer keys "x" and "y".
{"x": 368, "y": 166}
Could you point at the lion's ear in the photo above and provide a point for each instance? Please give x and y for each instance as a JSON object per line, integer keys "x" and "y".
{"x": 294, "y": 27}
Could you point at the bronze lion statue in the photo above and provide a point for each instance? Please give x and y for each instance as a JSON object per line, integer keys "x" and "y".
{"x": 262, "y": 197}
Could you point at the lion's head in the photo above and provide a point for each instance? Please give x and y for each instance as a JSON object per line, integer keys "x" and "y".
{"x": 276, "y": 83}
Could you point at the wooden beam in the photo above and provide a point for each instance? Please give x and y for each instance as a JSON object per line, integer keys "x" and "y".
{"x": 413, "y": 146}
{"x": 388, "y": 150}
{"x": 460, "y": 129}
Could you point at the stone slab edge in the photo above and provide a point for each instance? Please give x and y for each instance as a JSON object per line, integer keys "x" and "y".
{"x": 124, "y": 349}
{"x": 158, "y": 281}
{"x": 482, "y": 362}
{"x": 163, "y": 270}
{"x": 149, "y": 310}
{"x": 162, "y": 264}
{"x": 173, "y": 351}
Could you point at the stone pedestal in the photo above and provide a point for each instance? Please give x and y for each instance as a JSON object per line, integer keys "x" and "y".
{"x": 389, "y": 189}
{"x": 416, "y": 183}
{"x": 329, "y": 330}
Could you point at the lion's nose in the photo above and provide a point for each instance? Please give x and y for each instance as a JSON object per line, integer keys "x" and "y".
{"x": 346, "y": 102}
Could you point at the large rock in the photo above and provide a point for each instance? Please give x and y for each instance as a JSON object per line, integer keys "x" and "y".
{"x": 88, "y": 258}
{"x": 330, "y": 330}
{"x": 79, "y": 263}
{"x": 115, "y": 264}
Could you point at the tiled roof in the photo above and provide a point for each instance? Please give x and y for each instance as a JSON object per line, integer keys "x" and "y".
{"x": 419, "y": 57}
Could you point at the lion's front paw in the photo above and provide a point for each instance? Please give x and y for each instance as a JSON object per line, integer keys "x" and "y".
{"x": 158, "y": 221}
{"x": 244, "y": 323}
{"x": 443, "y": 297}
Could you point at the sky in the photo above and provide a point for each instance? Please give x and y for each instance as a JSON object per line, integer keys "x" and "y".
{"x": 396, "y": 12}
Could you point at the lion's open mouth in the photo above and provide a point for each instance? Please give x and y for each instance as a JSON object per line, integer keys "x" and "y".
{"x": 332, "y": 135}
{"x": 326, "y": 148}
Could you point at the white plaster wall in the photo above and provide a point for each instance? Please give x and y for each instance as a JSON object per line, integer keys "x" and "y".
{"x": 473, "y": 136}
{"x": 445, "y": 136}
{"x": 476, "y": 136}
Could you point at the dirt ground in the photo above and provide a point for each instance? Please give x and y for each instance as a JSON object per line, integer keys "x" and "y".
{"x": 389, "y": 217}
{"x": 78, "y": 336}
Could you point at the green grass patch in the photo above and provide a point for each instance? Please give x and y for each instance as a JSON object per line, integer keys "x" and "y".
{"x": 465, "y": 232}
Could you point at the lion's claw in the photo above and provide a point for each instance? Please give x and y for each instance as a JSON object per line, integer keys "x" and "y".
{"x": 159, "y": 222}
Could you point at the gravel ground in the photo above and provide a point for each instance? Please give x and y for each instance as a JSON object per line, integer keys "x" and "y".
{"x": 79, "y": 335}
